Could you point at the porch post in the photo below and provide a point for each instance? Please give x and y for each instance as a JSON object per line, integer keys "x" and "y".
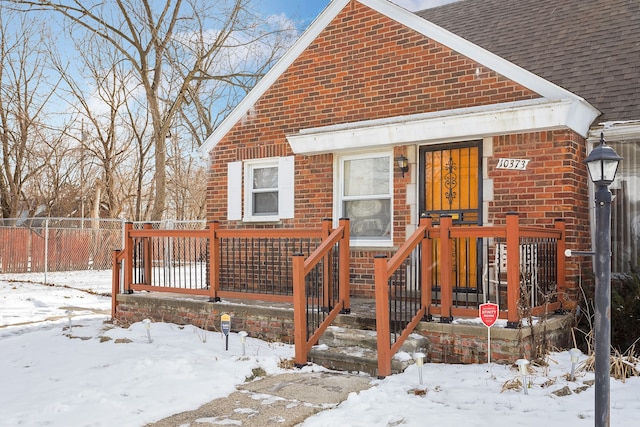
{"x": 128, "y": 258}
{"x": 382, "y": 315}
{"x": 345, "y": 267}
{"x": 327, "y": 289}
{"x": 426, "y": 268}
{"x": 214, "y": 262}
{"x": 446, "y": 269}
{"x": 299, "y": 311}
{"x": 513, "y": 270}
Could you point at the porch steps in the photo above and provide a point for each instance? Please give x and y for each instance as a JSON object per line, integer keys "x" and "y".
{"x": 355, "y": 350}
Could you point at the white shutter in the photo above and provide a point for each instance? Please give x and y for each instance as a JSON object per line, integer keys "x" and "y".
{"x": 234, "y": 191}
{"x": 286, "y": 171}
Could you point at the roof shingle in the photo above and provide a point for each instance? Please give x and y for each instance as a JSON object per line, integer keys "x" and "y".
{"x": 589, "y": 47}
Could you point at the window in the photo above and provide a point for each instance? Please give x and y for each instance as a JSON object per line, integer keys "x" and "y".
{"x": 262, "y": 185}
{"x": 268, "y": 189}
{"x": 365, "y": 197}
{"x": 625, "y": 208}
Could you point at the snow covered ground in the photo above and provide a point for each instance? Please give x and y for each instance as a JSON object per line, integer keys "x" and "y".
{"x": 86, "y": 372}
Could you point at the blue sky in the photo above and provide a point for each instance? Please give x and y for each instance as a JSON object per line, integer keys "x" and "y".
{"x": 305, "y": 11}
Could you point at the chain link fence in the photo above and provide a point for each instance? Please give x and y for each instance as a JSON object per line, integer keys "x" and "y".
{"x": 67, "y": 244}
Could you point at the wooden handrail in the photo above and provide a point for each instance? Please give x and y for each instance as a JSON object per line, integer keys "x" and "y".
{"x": 324, "y": 248}
{"x": 405, "y": 250}
{"x": 302, "y": 267}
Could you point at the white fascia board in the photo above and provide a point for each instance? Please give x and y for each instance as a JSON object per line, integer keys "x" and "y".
{"x": 452, "y": 125}
{"x": 243, "y": 108}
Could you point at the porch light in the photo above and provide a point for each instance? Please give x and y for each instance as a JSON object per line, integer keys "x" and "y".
{"x": 603, "y": 164}
{"x": 147, "y": 326}
{"x": 403, "y": 164}
{"x": 522, "y": 366}
{"x": 243, "y": 340}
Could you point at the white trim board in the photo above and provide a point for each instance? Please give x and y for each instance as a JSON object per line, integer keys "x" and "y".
{"x": 452, "y": 125}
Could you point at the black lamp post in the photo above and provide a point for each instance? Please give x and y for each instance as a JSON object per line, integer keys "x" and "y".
{"x": 603, "y": 164}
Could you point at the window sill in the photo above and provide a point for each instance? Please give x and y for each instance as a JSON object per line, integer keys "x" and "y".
{"x": 265, "y": 220}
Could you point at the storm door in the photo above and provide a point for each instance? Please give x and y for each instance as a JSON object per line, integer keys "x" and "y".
{"x": 450, "y": 180}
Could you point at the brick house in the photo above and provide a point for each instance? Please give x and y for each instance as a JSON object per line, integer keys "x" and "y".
{"x": 488, "y": 123}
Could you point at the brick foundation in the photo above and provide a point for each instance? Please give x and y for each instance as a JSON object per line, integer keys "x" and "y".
{"x": 448, "y": 343}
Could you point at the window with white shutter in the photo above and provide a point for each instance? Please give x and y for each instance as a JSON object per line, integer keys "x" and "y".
{"x": 267, "y": 193}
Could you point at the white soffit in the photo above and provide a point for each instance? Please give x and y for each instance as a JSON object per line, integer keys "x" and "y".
{"x": 452, "y": 125}
{"x": 616, "y": 131}
{"x": 500, "y": 65}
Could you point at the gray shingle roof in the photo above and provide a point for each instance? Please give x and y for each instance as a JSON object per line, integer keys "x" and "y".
{"x": 589, "y": 47}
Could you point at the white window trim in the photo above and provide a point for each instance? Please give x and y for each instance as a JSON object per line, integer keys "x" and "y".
{"x": 239, "y": 200}
{"x": 339, "y": 195}
{"x": 249, "y": 167}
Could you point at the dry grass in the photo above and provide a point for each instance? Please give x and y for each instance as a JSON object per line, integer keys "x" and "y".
{"x": 623, "y": 366}
{"x": 512, "y": 384}
{"x": 287, "y": 363}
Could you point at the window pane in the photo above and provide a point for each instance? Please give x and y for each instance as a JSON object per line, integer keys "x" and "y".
{"x": 265, "y": 203}
{"x": 265, "y": 178}
{"x": 369, "y": 218}
{"x": 365, "y": 177}
{"x": 625, "y": 209}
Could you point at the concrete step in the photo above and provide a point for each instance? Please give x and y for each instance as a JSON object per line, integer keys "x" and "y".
{"x": 355, "y": 350}
{"x": 355, "y": 321}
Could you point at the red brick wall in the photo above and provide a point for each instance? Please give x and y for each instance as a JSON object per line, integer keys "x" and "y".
{"x": 553, "y": 187}
{"x": 365, "y": 66}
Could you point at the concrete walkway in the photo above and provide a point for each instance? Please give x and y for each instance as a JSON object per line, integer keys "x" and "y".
{"x": 280, "y": 400}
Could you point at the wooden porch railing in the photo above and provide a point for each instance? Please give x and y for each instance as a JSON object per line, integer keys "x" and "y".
{"x": 173, "y": 260}
{"x": 218, "y": 263}
{"x": 419, "y": 301}
{"x": 317, "y": 297}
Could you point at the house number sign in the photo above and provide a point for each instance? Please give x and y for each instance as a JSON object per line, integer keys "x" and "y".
{"x": 513, "y": 164}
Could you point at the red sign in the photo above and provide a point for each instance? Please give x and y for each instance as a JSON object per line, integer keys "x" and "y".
{"x": 488, "y": 313}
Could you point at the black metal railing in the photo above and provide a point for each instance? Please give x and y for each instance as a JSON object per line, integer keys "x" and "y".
{"x": 262, "y": 264}
{"x": 404, "y": 294}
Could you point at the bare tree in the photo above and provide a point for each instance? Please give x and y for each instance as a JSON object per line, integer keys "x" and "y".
{"x": 187, "y": 180}
{"x": 105, "y": 137}
{"x": 172, "y": 48}
{"x": 25, "y": 140}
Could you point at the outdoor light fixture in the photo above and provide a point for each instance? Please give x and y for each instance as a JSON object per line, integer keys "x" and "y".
{"x": 403, "y": 164}
{"x": 522, "y": 366}
{"x": 419, "y": 358}
{"x": 575, "y": 355}
{"x": 243, "y": 340}
{"x": 147, "y": 326}
{"x": 603, "y": 164}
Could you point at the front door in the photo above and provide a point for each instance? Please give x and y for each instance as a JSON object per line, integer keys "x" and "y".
{"x": 450, "y": 185}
